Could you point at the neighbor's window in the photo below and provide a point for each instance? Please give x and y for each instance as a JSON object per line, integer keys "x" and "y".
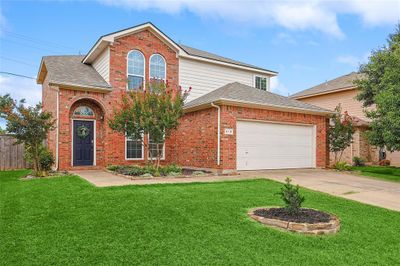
{"x": 157, "y": 67}
{"x": 135, "y": 70}
{"x": 83, "y": 111}
{"x": 261, "y": 83}
{"x": 153, "y": 149}
{"x": 134, "y": 149}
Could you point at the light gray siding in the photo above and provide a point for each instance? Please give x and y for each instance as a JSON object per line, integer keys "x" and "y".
{"x": 205, "y": 77}
{"x": 102, "y": 64}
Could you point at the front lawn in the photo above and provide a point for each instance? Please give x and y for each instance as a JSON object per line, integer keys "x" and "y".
{"x": 65, "y": 220}
{"x": 382, "y": 172}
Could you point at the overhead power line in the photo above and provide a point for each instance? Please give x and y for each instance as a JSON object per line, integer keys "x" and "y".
{"x": 38, "y": 41}
{"x": 30, "y": 46}
{"x": 15, "y": 74}
{"x": 18, "y": 61}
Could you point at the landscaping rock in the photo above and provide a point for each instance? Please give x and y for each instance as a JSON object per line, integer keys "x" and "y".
{"x": 174, "y": 174}
{"x": 197, "y": 173}
{"x": 313, "y": 222}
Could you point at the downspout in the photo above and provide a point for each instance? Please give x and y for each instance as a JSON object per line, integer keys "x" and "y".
{"x": 57, "y": 126}
{"x": 219, "y": 133}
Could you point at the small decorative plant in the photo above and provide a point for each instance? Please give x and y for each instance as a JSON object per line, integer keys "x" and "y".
{"x": 291, "y": 197}
{"x": 342, "y": 166}
{"x": 358, "y": 161}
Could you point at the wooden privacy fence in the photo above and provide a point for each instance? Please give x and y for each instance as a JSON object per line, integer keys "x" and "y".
{"x": 11, "y": 156}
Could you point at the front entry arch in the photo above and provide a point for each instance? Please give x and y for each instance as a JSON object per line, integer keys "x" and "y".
{"x": 87, "y": 132}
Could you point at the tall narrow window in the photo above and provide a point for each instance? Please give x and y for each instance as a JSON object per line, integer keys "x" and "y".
{"x": 134, "y": 149}
{"x": 157, "y": 67}
{"x": 153, "y": 149}
{"x": 261, "y": 83}
{"x": 135, "y": 70}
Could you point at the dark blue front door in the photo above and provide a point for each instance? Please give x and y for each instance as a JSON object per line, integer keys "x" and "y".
{"x": 83, "y": 142}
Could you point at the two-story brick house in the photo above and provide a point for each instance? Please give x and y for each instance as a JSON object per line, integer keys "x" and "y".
{"x": 342, "y": 90}
{"x": 231, "y": 122}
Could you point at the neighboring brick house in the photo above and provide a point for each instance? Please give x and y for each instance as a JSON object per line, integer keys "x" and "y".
{"x": 342, "y": 91}
{"x": 231, "y": 122}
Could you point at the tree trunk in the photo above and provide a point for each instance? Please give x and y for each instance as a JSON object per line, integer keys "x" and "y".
{"x": 341, "y": 154}
{"x": 158, "y": 155}
{"x": 36, "y": 160}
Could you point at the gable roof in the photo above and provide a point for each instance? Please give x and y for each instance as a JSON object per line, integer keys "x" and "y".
{"x": 69, "y": 70}
{"x": 344, "y": 82}
{"x": 182, "y": 50}
{"x": 200, "y": 53}
{"x": 242, "y": 95}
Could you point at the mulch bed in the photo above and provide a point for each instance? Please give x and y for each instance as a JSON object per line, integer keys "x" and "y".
{"x": 304, "y": 216}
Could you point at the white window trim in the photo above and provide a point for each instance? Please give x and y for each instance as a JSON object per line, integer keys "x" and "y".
{"x": 126, "y": 152}
{"x": 165, "y": 68}
{"x": 127, "y": 69}
{"x": 148, "y": 149}
{"x": 261, "y": 76}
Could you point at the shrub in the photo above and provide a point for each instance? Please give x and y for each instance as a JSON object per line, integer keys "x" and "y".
{"x": 342, "y": 166}
{"x": 46, "y": 159}
{"x": 151, "y": 169}
{"x": 112, "y": 167}
{"x": 134, "y": 171}
{"x": 291, "y": 197}
{"x": 384, "y": 162}
{"x": 171, "y": 168}
{"x": 148, "y": 169}
{"x": 358, "y": 161}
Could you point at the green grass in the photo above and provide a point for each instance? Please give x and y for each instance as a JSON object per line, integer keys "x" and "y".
{"x": 382, "y": 172}
{"x": 65, "y": 220}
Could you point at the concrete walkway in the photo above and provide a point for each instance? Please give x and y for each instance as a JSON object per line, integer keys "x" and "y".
{"x": 371, "y": 191}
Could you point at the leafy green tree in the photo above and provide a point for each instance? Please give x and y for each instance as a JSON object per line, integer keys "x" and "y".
{"x": 380, "y": 89}
{"x": 154, "y": 112}
{"x": 340, "y": 133}
{"x": 30, "y": 126}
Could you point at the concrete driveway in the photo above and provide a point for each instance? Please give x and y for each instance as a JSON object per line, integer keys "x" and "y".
{"x": 350, "y": 186}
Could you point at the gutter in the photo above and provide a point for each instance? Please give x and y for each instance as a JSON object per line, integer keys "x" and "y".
{"x": 219, "y": 133}
{"x": 58, "y": 126}
{"x": 255, "y": 105}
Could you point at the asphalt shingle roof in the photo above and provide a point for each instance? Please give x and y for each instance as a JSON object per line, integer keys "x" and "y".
{"x": 341, "y": 82}
{"x": 204, "y": 54}
{"x": 241, "y": 93}
{"x": 69, "y": 70}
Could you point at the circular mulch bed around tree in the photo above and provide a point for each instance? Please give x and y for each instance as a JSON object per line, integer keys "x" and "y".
{"x": 308, "y": 221}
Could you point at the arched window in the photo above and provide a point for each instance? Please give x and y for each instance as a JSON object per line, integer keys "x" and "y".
{"x": 135, "y": 70}
{"x": 83, "y": 111}
{"x": 157, "y": 67}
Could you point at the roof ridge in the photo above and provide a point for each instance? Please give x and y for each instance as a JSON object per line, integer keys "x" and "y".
{"x": 331, "y": 85}
{"x": 72, "y": 55}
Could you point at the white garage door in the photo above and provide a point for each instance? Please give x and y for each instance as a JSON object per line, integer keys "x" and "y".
{"x": 274, "y": 146}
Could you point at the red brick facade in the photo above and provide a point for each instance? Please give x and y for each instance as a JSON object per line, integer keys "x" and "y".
{"x": 194, "y": 143}
{"x": 110, "y": 146}
{"x": 196, "y": 137}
